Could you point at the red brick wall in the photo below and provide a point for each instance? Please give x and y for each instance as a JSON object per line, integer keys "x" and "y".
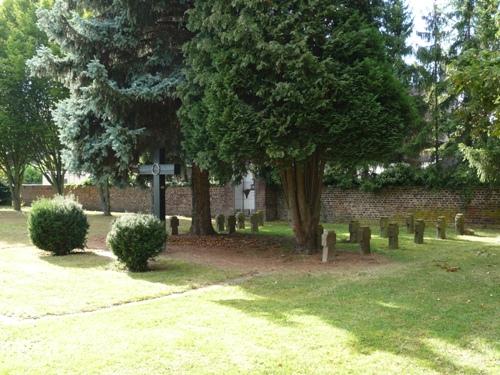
{"x": 337, "y": 205}
{"x": 179, "y": 200}
{"x": 342, "y": 205}
{"x": 126, "y": 199}
{"x": 135, "y": 199}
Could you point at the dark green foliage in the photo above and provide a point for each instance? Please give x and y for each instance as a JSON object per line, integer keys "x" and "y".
{"x": 396, "y": 175}
{"x": 342, "y": 177}
{"x": 291, "y": 85}
{"x": 137, "y": 238}
{"x": 121, "y": 61}
{"x": 398, "y": 27}
{"x": 4, "y": 194}
{"x": 280, "y": 75}
{"x": 459, "y": 176}
{"x": 58, "y": 225}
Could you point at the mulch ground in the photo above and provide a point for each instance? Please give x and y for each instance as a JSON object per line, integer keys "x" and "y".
{"x": 248, "y": 253}
{"x": 258, "y": 253}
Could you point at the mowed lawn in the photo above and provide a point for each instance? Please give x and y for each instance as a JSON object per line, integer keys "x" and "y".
{"x": 83, "y": 314}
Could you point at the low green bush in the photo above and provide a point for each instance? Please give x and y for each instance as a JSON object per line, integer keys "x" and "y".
{"x": 137, "y": 238}
{"x": 58, "y": 225}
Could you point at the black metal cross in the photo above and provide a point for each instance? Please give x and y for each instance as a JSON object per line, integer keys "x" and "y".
{"x": 159, "y": 170}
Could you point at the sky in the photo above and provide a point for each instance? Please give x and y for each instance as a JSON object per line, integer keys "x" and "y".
{"x": 421, "y": 8}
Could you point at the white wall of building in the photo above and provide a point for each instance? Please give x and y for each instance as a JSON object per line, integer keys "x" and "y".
{"x": 245, "y": 202}
{"x": 70, "y": 179}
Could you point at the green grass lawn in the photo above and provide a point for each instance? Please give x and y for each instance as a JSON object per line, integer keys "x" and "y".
{"x": 409, "y": 316}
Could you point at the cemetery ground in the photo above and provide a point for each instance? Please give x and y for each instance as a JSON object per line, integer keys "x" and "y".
{"x": 246, "y": 305}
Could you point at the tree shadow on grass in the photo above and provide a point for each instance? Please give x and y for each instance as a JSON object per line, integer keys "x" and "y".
{"x": 161, "y": 270}
{"x": 394, "y": 314}
{"x": 175, "y": 272}
{"x": 78, "y": 259}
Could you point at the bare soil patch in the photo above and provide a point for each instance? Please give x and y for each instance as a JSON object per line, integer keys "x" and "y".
{"x": 249, "y": 253}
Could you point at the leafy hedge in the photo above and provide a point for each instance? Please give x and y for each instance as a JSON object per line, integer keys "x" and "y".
{"x": 58, "y": 225}
{"x": 137, "y": 238}
{"x": 459, "y": 176}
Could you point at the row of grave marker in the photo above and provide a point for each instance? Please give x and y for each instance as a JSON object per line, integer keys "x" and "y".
{"x": 357, "y": 233}
{"x": 230, "y": 223}
{"x": 233, "y": 222}
{"x": 390, "y": 230}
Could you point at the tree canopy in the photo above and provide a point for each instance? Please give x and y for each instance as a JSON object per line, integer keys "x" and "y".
{"x": 288, "y": 84}
{"x": 122, "y": 67}
{"x": 27, "y": 132}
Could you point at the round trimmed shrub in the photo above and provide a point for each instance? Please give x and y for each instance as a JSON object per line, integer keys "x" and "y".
{"x": 58, "y": 225}
{"x": 137, "y": 238}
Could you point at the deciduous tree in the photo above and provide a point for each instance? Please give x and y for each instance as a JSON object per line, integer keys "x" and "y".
{"x": 475, "y": 81}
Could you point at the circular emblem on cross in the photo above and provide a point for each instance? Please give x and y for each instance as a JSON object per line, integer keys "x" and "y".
{"x": 155, "y": 169}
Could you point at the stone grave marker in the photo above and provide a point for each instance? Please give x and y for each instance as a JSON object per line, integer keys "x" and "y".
{"x": 254, "y": 222}
{"x": 419, "y": 231}
{"x": 174, "y": 225}
{"x": 328, "y": 241}
{"x": 241, "y": 220}
{"x": 353, "y": 231}
{"x": 384, "y": 223}
{"x": 460, "y": 224}
{"x": 364, "y": 237}
{"x": 393, "y": 234}
{"x": 441, "y": 228}
{"x": 220, "y": 220}
{"x": 231, "y": 224}
{"x": 261, "y": 217}
{"x": 410, "y": 224}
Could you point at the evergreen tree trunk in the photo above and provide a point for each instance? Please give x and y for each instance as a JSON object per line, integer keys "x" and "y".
{"x": 103, "y": 188}
{"x": 201, "y": 224}
{"x": 302, "y": 185}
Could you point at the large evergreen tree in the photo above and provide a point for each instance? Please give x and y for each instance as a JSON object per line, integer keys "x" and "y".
{"x": 398, "y": 27}
{"x": 121, "y": 60}
{"x": 433, "y": 60}
{"x": 292, "y": 85}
